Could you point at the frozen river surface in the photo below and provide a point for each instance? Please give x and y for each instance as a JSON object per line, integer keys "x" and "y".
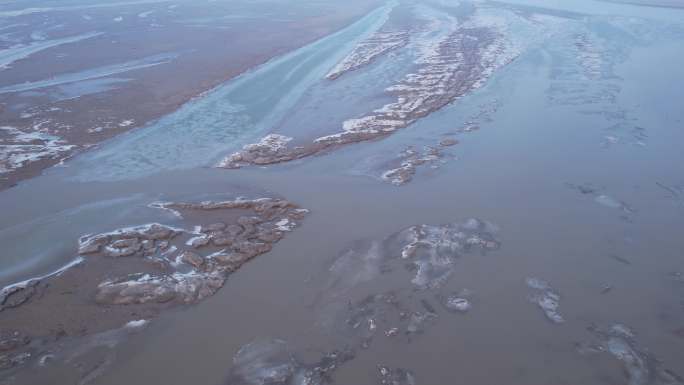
{"x": 485, "y": 192}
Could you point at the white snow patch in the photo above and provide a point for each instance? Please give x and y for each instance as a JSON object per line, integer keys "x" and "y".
{"x": 136, "y": 323}
{"x": 285, "y": 225}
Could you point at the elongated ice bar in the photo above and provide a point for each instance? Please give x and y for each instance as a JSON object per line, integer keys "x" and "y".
{"x": 19, "y": 52}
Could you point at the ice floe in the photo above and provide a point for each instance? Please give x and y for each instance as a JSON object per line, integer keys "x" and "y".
{"x": 260, "y": 153}
{"x": 395, "y": 376}
{"x": 640, "y": 366}
{"x": 546, "y": 298}
{"x": 602, "y": 198}
{"x": 272, "y": 362}
{"x": 428, "y": 252}
{"x": 457, "y": 302}
{"x": 411, "y": 160}
{"x": 433, "y": 249}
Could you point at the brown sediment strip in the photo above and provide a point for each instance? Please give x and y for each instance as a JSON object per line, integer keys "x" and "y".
{"x": 134, "y": 273}
{"x": 461, "y": 62}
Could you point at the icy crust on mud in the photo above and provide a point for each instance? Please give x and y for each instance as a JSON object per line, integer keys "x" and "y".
{"x": 427, "y": 255}
{"x": 368, "y": 50}
{"x": 639, "y": 366}
{"x": 270, "y": 147}
{"x": 411, "y": 160}
{"x": 198, "y": 267}
{"x": 433, "y": 249}
{"x": 428, "y": 252}
{"x": 460, "y": 59}
{"x": 19, "y": 148}
{"x": 271, "y": 361}
{"x": 546, "y": 298}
